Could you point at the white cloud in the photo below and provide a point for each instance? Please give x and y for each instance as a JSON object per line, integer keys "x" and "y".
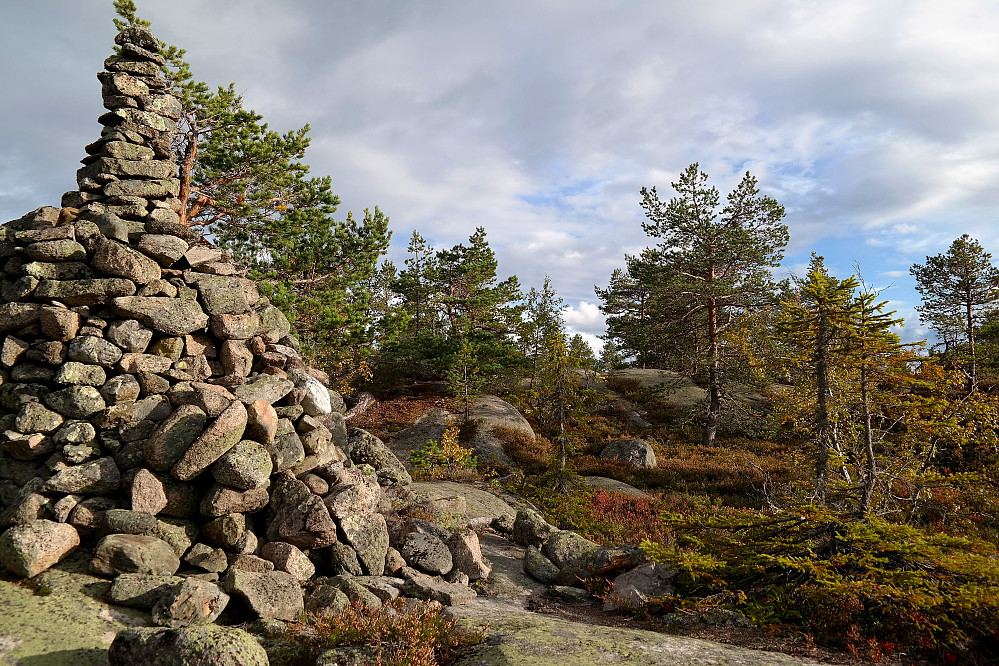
{"x": 873, "y": 123}
{"x": 584, "y": 317}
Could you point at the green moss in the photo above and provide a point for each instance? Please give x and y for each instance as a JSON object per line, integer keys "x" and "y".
{"x": 65, "y": 626}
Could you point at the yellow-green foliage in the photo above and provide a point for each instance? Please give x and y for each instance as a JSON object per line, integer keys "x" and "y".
{"x": 445, "y": 459}
{"x": 872, "y": 586}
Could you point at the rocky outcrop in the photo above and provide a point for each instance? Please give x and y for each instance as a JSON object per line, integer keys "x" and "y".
{"x": 488, "y": 413}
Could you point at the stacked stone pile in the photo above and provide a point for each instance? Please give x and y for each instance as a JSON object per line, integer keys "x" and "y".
{"x": 155, "y": 407}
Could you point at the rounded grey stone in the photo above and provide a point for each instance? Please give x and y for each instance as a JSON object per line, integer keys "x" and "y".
{"x": 246, "y": 465}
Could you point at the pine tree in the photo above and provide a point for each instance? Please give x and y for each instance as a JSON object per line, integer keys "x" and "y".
{"x": 454, "y": 299}
{"x": 719, "y": 261}
{"x": 611, "y": 356}
{"x": 848, "y": 353}
{"x": 415, "y": 285}
{"x": 247, "y": 187}
{"x": 542, "y": 321}
{"x": 871, "y": 349}
{"x": 959, "y": 289}
{"x": 637, "y": 317}
{"x": 820, "y": 321}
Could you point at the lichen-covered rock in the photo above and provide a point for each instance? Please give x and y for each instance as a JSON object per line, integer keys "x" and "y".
{"x": 246, "y": 465}
{"x": 112, "y": 258}
{"x": 82, "y": 292}
{"x": 124, "y": 521}
{"x": 234, "y": 326}
{"x": 275, "y": 594}
{"x": 18, "y": 315}
{"x": 221, "y": 294}
{"x": 343, "y": 560}
{"x": 267, "y": 388}
{"x": 134, "y": 553}
{"x": 646, "y": 581}
{"x": 422, "y": 586}
{"x": 531, "y": 529}
{"x": 539, "y": 567}
{"x": 56, "y": 250}
{"x": 274, "y": 325}
{"x": 297, "y": 516}
{"x": 202, "y": 645}
{"x": 167, "y": 249}
{"x": 316, "y": 401}
{"x": 29, "y": 549}
{"x": 121, "y": 389}
{"x": 98, "y": 477}
{"x": 173, "y": 316}
{"x": 174, "y": 437}
{"x": 565, "y": 548}
{"x": 217, "y": 438}
{"x": 76, "y": 402}
{"x": 355, "y": 493}
{"x": 59, "y": 324}
{"x": 130, "y": 335}
{"x": 326, "y": 601}
{"x": 225, "y": 530}
{"x": 427, "y": 553}
{"x": 205, "y": 557}
{"x": 289, "y": 559}
{"x": 236, "y": 357}
{"x": 366, "y": 449}
{"x": 466, "y": 554}
{"x": 368, "y": 535}
{"x": 80, "y": 374}
{"x": 220, "y": 500}
{"x": 211, "y": 399}
{"x": 140, "y": 590}
{"x": 188, "y": 603}
{"x": 33, "y": 417}
{"x": 286, "y": 451}
{"x": 147, "y": 493}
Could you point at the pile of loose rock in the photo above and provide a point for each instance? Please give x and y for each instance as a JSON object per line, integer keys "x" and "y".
{"x": 154, "y": 406}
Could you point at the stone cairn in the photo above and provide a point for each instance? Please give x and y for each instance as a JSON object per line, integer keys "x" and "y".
{"x": 155, "y": 406}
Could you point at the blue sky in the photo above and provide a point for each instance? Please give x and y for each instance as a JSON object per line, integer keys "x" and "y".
{"x": 874, "y": 123}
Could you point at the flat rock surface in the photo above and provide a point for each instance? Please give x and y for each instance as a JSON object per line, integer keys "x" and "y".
{"x": 614, "y": 486}
{"x": 520, "y": 640}
{"x": 70, "y": 625}
{"x": 479, "y": 503}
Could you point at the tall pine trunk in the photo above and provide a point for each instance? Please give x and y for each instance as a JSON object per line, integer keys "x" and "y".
{"x": 973, "y": 378}
{"x": 822, "y": 425}
{"x": 714, "y": 377}
{"x": 871, "y": 470}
